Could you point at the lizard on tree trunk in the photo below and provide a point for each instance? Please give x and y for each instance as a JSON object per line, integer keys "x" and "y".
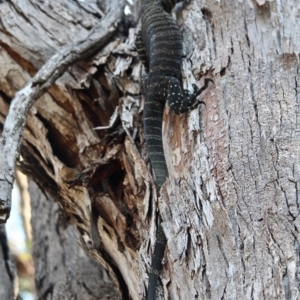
{"x": 159, "y": 45}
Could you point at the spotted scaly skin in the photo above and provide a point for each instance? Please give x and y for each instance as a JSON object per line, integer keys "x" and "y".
{"x": 159, "y": 45}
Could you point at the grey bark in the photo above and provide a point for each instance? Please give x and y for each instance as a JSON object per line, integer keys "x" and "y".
{"x": 231, "y": 207}
{"x": 63, "y": 270}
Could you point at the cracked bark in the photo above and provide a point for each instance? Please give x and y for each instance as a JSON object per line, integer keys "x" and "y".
{"x": 231, "y": 207}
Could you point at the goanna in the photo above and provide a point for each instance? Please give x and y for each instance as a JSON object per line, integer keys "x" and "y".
{"x": 159, "y": 45}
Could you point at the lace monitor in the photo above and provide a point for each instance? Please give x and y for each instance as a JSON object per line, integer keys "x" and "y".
{"x": 159, "y": 45}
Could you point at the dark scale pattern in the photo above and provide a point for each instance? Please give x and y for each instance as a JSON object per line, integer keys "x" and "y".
{"x": 180, "y": 103}
{"x": 159, "y": 45}
{"x": 153, "y": 112}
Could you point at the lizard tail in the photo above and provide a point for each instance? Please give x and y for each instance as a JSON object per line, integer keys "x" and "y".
{"x": 153, "y": 115}
{"x": 156, "y": 263}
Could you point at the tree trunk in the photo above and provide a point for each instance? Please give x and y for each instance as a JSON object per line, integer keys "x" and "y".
{"x": 230, "y": 209}
{"x": 62, "y": 268}
{"x": 8, "y": 279}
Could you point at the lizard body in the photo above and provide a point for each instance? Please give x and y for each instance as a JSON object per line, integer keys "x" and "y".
{"x": 159, "y": 45}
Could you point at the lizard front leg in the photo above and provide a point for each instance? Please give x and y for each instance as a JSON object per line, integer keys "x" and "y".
{"x": 181, "y": 101}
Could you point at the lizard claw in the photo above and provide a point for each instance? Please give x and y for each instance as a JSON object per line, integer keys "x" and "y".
{"x": 195, "y": 88}
{"x": 207, "y": 80}
{"x": 205, "y": 86}
{"x": 201, "y": 102}
{"x": 197, "y": 104}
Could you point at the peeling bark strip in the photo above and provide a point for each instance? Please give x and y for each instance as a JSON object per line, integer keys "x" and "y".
{"x": 11, "y": 137}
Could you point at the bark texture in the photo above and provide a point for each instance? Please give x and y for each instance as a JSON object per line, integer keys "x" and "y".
{"x": 231, "y": 207}
{"x": 62, "y": 269}
{"x": 12, "y": 134}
